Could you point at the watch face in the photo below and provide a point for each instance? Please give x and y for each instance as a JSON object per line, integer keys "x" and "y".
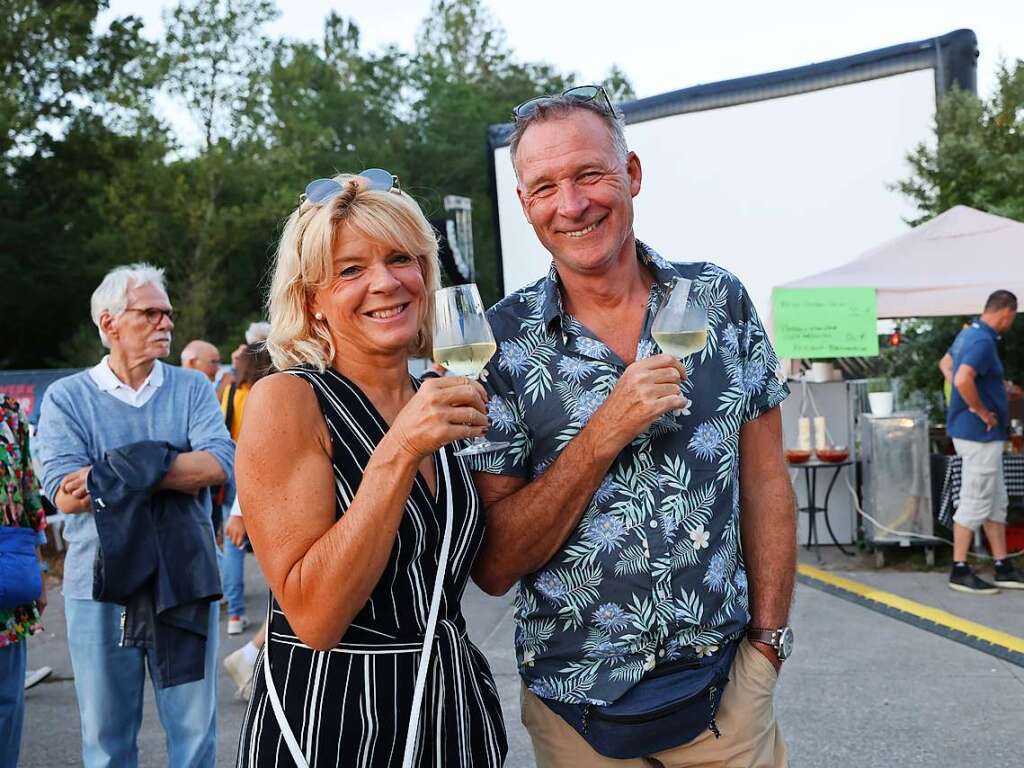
{"x": 785, "y": 643}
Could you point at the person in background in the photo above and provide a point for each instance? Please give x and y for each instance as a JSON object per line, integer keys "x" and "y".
{"x": 127, "y": 398}
{"x": 977, "y": 420}
{"x": 255, "y": 334}
{"x": 201, "y": 356}
{"x": 251, "y": 366}
{"x": 643, "y": 504}
{"x": 21, "y": 510}
{"x": 251, "y": 363}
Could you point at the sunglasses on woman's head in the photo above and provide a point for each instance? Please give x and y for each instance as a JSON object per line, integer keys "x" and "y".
{"x": 322, "y": 191}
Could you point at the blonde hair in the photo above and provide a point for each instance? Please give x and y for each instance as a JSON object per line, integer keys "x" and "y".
{"x": 304, "y": 265}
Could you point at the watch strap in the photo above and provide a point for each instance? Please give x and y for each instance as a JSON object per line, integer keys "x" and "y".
{"x": 766, "y": 636}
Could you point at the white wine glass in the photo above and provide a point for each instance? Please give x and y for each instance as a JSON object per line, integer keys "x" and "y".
{"x": 680, "y": 327}
{"x": 463, "y": 343}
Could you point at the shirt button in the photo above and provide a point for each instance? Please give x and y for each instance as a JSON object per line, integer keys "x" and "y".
{"x": 654, "y": 523}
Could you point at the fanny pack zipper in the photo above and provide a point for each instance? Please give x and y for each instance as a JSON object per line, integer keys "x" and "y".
{"x": 590, "y": 711}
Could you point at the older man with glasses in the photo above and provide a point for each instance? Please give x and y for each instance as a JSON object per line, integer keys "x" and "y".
{"x": 642, "y": 504}
{"x": 127, "y": 405}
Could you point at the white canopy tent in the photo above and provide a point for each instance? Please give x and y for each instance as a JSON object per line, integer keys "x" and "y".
{"x": 946, "y": 266}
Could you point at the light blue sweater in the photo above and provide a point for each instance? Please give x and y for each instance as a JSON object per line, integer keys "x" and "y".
{"x": 78, "y": 424}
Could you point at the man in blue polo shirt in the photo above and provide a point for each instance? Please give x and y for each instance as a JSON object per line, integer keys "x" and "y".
{"x": 977, "y": 421}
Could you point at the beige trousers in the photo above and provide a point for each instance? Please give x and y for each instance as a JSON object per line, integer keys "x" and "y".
{"x": 750, "y": 736}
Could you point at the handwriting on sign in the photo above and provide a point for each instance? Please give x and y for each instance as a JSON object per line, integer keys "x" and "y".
{"x": 825, "y": 322}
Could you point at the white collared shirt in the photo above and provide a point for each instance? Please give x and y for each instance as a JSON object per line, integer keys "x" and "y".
{"x": 108, "y": 382}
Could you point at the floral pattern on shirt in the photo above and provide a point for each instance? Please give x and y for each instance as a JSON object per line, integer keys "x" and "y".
{"x": 21, "y": 507}
{"x": 654, "y": 570}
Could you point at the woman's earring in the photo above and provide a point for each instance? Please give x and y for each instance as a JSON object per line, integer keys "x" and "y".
{"x": 319, "y": 315}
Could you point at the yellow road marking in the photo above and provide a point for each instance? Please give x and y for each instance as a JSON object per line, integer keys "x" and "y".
{"x": 936, "y": 615}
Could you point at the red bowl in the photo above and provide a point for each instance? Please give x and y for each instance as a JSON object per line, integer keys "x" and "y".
{"x": 832, "y": 455}
{"x": 794, "y": 456}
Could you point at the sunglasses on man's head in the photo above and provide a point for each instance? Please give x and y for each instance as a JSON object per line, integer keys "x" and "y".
{"x": 322, "y": 191}
{"x": 581, "y": 93}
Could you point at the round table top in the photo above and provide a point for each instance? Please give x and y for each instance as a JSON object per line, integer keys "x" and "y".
{"x": 818, "y": 463}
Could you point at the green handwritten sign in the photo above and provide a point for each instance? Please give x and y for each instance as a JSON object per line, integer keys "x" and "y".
{"x": 825, "y": 322}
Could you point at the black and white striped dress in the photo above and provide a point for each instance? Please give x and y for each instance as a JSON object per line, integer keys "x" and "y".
{"x": 350, "y": 707}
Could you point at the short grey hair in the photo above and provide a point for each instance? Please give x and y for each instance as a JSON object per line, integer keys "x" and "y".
{"x": 257, "y": 333}
{"x": 112, "y": 294}
{"x": 557, "y": 107}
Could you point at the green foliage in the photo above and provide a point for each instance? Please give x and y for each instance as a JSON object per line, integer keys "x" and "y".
{"x": 975, "y": 159}
{"x": 90, "y": 178}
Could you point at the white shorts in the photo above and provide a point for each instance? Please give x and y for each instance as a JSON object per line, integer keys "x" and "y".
{"x": 982, "y": 488}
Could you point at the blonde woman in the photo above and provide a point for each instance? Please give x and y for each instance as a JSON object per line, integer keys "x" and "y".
{"x": 364, "y": 523}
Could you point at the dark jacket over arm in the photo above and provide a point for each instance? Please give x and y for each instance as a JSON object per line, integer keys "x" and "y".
{"x": 157, "y": 557}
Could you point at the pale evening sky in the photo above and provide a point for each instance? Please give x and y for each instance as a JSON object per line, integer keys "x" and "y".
{"x": 663, "y": 46}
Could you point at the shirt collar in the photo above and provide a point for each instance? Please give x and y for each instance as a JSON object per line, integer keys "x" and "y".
{"x": 551, "y": 292}
{"x": 982, "y": 325}
{"x": 107, "y": 381}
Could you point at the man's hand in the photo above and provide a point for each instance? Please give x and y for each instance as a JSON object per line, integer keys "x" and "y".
{"x": 990, "y": 419}
{"x": 73, "y": 493}
{"x": 235, "y": 530}
{"x": 41, "y": 601}
{"x": 769, "y": 653}
{"x": 647, "y": 389}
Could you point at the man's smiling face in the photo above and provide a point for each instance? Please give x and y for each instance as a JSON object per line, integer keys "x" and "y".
{"x": 577, "y": 192}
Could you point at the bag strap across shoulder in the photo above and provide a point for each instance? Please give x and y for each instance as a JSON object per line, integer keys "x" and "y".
{"x": 428, "y": 642}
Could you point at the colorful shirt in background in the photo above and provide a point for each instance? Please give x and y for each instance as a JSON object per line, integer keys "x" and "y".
{"x": 20, "y": 506}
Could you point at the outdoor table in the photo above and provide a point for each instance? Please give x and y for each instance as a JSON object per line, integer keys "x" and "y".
{"x": 810, "y": 470}
{"x": 1013, "y": 475}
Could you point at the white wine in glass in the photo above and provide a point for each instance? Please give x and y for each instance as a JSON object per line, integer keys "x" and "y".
{"x": 463, "y": 343}
{"x": 680, "y": 328}
{"x": 465, "y": 359}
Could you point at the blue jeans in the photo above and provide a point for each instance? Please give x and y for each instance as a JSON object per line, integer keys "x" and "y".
{"x": 233, "y": 572}
{"x": 109, "y": 683}
{"x": 12, "y": 701}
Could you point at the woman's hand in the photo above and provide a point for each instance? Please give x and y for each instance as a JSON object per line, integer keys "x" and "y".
{"x": 442, "y": 411}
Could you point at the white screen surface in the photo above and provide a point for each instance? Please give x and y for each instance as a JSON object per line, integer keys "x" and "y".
{"x": 771, "y": 190}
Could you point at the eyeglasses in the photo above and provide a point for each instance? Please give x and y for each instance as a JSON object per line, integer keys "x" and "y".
{"x": 322, "y": 191}
{"x": 153, "y": 314}
{"x": 581, "y": 93}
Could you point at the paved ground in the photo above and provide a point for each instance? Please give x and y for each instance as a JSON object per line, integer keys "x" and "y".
{"x": 862, "y": 689}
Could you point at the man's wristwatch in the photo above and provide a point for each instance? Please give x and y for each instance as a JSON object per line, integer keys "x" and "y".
{"x": 780, "y": 639}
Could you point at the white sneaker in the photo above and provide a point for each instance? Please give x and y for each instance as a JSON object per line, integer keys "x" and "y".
{"x": 36, "y": 676}
{"x": 240, "y": 671}
{"x": 237, "y": 625}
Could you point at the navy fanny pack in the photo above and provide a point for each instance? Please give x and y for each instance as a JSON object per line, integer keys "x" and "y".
{"x": 669, "y": 707}
{"x": 20, "y": 579}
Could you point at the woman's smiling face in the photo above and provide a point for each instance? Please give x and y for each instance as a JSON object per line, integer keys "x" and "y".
{"x": 375, "y": 300}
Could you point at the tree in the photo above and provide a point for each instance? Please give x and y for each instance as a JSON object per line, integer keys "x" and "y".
{"x": 976, "y": 159}
{"x": 215, "y": 56}
{"x": 466, "y": 79}
{"x": 52, "y": 61}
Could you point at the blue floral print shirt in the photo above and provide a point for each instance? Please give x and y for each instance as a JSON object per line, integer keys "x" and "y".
{"x": 653, "y": 572}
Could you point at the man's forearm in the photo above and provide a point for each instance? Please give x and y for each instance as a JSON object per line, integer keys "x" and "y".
{"x": 969, "y": 392}
{"x": 526, "y": 529}
{"x": 193, "y": 471}
{"x": 768, "y": 531}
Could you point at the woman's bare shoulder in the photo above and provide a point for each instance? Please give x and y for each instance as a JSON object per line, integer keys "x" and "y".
{"x": 283, "y": 400}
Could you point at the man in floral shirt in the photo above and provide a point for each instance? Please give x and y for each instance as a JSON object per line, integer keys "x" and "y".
{"x": 20, "y": 507}
{"x": 642, "y": 505}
